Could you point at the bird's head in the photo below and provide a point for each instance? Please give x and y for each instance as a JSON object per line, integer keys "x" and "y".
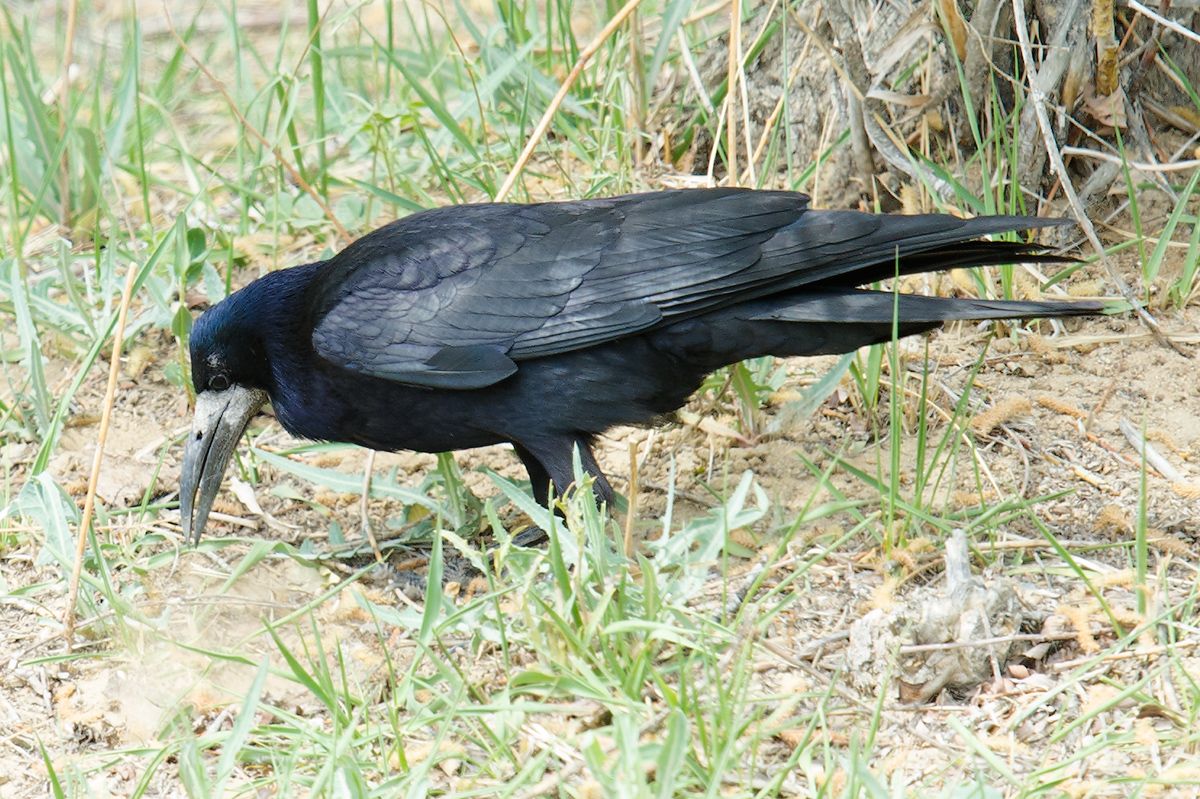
{"x": 230, "y": 373}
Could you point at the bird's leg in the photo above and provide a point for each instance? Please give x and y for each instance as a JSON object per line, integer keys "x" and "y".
{"x": 551, "y": 461}
{"x": 600, "y": 485}
{"x": 539, "y": 478}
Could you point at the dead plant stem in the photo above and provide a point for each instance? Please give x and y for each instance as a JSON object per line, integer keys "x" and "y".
{"x": 733, "y": 73}
{"x": 544, "y": 124}
{"x": 89, "y": 504}
{"x": 1038, "y": 97}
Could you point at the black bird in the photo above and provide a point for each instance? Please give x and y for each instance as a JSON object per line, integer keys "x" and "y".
{"x": 545, "y": 325}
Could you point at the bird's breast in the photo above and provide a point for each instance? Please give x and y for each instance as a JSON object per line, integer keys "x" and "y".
{"x": 382, "y": 414}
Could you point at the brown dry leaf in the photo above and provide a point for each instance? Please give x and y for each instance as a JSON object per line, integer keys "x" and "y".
{"x": 910, "y": 694}
{"x": 1108, "y": 110}
{"x": 1037, "y": 651}
{"x": 793, "y": 738}
{"x": 1151, "y": 710}
{"x": 956, "y": 26}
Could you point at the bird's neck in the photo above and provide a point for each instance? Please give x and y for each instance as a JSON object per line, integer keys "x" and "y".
{"x": 278, "y": 292}
{"x": 278, "y": 304}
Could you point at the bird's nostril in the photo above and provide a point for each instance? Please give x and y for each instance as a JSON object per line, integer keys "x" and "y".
{"x": 199, "y": 436}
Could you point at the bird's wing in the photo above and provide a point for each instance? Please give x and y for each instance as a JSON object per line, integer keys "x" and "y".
{"x": 455, "y": 297}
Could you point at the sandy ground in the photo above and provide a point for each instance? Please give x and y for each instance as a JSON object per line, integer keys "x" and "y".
{"x": 1062, "y": 399}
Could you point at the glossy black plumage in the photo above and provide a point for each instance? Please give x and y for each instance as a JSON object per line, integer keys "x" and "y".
{"x": 544, "y": 325}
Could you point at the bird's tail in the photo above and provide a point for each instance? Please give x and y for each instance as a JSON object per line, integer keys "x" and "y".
{"x": 847, "y": 248}
{"x": 800, "y": 298}
{"x": 834, "y": 321}
{"x": 860, "y": 306}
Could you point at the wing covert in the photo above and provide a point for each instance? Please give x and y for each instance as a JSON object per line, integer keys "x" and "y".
{"x": 438, "y": 299}
{"x": 457, "y": 297}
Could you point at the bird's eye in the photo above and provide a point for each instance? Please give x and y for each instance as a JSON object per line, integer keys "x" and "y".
{"x": 218, "y": 382}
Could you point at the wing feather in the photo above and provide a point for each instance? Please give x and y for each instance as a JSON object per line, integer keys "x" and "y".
{"x": 457, "y": 297}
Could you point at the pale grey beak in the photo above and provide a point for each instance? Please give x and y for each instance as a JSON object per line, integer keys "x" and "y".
{"x": 221, "y": 417}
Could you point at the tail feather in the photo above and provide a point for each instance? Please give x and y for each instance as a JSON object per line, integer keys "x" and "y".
{"x": 847, "y": 248}
{"x": 830, "y": 322}
{"x": 854, "y": 306}
{"x": 960, "y": 256}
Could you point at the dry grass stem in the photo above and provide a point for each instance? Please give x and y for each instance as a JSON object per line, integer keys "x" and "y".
{"x": 1144, "y": 448}
{"x": 89, "y": 504}
{"x": 1150, "y": 13}
{"x": 733, "y": 74}
{"x": 1038, "y": 98}
{"x": 544, "y": 123}
{"x": 1112, "y": 657}
{"x": 1177, "y": 166}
